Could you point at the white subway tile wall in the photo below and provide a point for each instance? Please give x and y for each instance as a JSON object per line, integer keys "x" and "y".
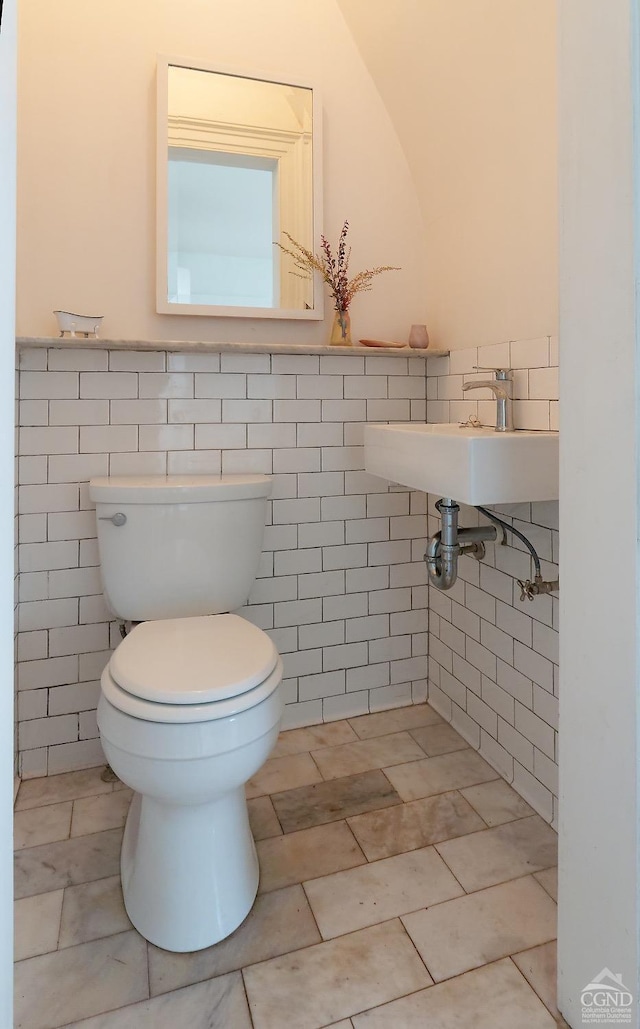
{"x": 341, "y": 587}
{"x": 493, "y": 660}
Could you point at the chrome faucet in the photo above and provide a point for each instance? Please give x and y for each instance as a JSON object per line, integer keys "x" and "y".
{"x": 502, "y": 389}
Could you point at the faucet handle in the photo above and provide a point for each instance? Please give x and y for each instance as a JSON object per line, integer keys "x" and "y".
{"x": 501, "y": 373}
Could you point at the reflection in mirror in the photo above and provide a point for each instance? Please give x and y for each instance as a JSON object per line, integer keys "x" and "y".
{"x": 235, "y": 171}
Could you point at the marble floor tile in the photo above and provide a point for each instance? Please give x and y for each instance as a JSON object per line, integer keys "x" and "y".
{"x": 40, "y": 825}
{"x": 539, "y": 967}
{"x": 375, "y": 892}
{"x": 439, "y": 774}
{"x": 549, "y": 879}
{"x": 283, "y": 773}
{"x": 217, "y": 1004}
{"x": 366, "y": 833}
{"x": 323, "y": 984}
{"x": 263, "y": 819}
{"x": 438, "y": 739}
{"x": 493, "y": 997}
{"x": 95, "y": 814}
{"x": 278, "y": 923}
{"x": 504, "y": 852}
{"x": 36, "y": 922}
{"x": 91, "y": 911}
{"x": 351, "y": 758}
{"x": 473, "y": 930}
{"x": 53, "y": 789}
{"x": 54, "y": 865}
{"x": 383, "y": 722}
{"x": 330, "y": 801}
{"x": 416, "y": 824}
{"x": 496, "y": 802}
{"x": 307, "y": 854}
{"x": 294, "y": 741}
{"x": 68, "y": 985}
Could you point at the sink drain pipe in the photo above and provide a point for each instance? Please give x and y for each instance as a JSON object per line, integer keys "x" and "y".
{"x": 444, "y": 549}
{"x": 446, "y": 546}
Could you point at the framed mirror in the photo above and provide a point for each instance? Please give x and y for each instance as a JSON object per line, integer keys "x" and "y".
{"x": 237, "y": 167}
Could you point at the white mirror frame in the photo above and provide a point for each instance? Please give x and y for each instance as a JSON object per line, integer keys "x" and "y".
{"x": 163, "y": 306}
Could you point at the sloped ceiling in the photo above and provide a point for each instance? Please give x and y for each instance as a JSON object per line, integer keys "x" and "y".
{"x": 470, "y": 86}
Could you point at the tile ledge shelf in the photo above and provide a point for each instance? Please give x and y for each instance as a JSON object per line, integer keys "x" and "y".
{"x": 202, "y": 346}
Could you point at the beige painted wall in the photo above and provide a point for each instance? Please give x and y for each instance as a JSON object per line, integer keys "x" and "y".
{"x": 7, "y": 569}
{"x": 471, "y": 89}
{"x": 87, "y": 160}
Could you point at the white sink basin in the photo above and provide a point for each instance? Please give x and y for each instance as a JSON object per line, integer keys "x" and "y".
{"x": 472, "y": 466}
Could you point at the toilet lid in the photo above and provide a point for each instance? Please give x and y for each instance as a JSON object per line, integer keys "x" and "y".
{"x": 148, "y": 711}
{"x": 193, "y": 660}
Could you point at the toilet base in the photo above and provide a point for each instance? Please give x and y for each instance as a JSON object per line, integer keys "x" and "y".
{"x": 189, "y": 873}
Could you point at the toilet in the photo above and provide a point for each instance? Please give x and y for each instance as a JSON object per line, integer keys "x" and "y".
{"x": 190, "y": 703}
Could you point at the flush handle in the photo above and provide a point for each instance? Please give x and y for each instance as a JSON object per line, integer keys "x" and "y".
{"x": 118, "y": 519}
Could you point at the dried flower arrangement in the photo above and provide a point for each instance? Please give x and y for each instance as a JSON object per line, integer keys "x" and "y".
{"x": 335, "y": 272}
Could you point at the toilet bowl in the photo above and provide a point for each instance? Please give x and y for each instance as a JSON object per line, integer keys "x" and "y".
{"x": 190, "y": 708}
{"x": 189, "y": 866}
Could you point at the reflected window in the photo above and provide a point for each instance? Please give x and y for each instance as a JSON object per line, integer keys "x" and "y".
{"x": 221, "y": 226}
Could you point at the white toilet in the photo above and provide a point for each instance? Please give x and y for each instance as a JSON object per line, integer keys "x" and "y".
{"x": 190, "y": 705}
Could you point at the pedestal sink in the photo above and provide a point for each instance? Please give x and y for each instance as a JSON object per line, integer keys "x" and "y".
{"x": 472, "y": 466}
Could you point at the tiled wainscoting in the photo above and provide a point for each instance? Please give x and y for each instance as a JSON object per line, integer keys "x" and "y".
{"x": 493, "y": 660}
{"x": 342, "y": 583}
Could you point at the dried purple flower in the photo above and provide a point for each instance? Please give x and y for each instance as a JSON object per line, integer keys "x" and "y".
{"x": 334, "y": 272}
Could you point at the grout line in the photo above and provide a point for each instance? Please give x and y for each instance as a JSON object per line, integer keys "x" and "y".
{"x": 365, "y": 859}
{"x": 530, "y": 984}
{"x": 488, "y": 886}
{"x": 148, "y": 964}
{"x": 315, "y": 920}
{"x": 67, "y": 800}
{"x": 549, "y": 869}
{"x": 73, "y": 810}
{"x": 244, "y": 988}
{"x": 410, "y": 938}
{"x": 320, "y": 773}
{"x": 411, "y": 993}
{"x": 64, "y": 895}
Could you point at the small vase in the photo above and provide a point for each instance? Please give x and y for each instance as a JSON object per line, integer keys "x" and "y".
{"x": 419, "y": 337}
{"x": 341, "y": 330}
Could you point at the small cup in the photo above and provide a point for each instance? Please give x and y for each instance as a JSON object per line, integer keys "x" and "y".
{"x": 418, "y": 337}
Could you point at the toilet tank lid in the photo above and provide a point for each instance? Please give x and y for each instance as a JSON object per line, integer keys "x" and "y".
{"x": 184, "y": 489}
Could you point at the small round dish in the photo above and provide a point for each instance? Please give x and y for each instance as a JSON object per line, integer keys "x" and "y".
{"x": 389, "y": 344}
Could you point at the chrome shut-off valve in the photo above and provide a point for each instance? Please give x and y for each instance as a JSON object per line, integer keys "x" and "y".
{"x": 529, "y": 589}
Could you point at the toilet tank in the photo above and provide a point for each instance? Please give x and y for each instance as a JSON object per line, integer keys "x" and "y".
{"x": 177, "y": 546}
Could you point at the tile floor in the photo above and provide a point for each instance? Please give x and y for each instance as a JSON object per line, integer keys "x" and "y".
{"x": 403, "y": 885}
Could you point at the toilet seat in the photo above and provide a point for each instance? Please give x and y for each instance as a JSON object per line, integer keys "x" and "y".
{"x": 191, "y": 669}
{"x": 148, "y": 711}
{"x": 224, "y": 654}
